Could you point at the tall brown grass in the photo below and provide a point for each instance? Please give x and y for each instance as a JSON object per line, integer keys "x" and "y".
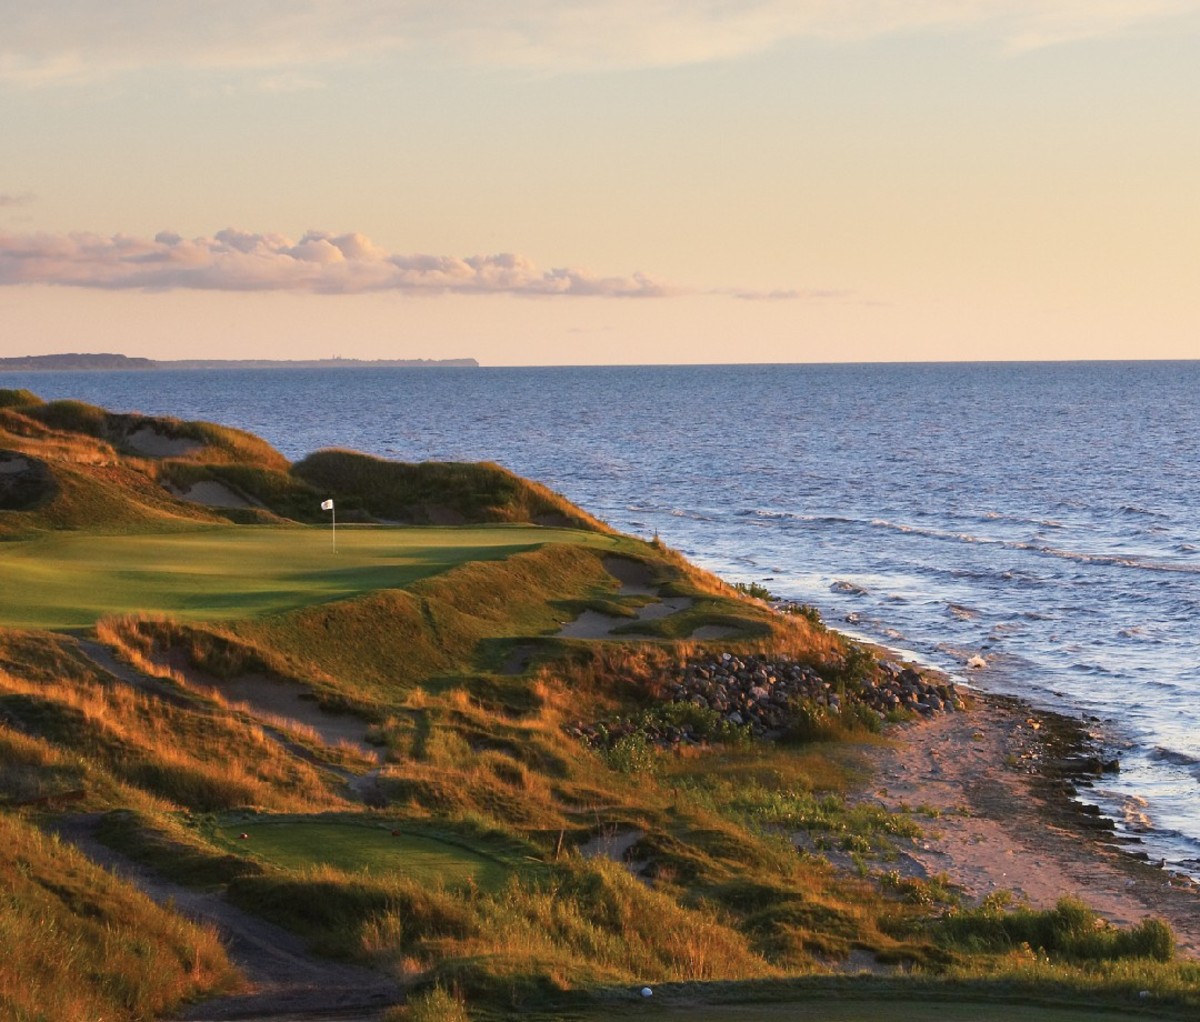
{"x": 80, "y": 944}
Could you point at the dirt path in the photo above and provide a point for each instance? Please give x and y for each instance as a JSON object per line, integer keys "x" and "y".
{"x": 1002, "y": 825}
{"x": 282, "y": 979}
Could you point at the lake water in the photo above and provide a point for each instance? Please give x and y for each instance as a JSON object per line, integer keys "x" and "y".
{"x": 1045, "y": 517}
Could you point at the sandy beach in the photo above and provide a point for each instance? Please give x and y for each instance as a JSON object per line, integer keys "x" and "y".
{"x": 996, "y": 817}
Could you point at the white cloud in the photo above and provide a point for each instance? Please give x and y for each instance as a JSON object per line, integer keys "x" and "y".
{"x": 234, "y": 260}
{"x": 10, "y": 199}
{"x": 64, "y": 40}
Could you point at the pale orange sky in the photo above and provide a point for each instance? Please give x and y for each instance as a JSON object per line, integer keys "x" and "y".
{"x": 680, "y": 182}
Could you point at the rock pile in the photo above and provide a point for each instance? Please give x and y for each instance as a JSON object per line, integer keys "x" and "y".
{"x": 766, "y": 697}
{"x": 764, "y": 692}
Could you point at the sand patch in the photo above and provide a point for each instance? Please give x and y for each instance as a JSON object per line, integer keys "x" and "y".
{"x": 614, "y": 845}
{"x": 591, "y": 624}
{"x": 664, "y": 608}
{"x": 211, "y": 494}
{"x": 25, "y": 482}
{"x": 635, "y": 576}
{"x": 636, "y": 579}
{"x": 149, "y": 441}
{"x": 269, "y": 698}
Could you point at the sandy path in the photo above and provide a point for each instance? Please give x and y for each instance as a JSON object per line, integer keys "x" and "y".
{"x": 1002, "y": 826}
{"x": 636, "y": 580}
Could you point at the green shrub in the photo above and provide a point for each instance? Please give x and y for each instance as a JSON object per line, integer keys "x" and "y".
{"x": 1070, "y": 931}
{"x": 633, "y": 754}
{"x": 754, "y": 590}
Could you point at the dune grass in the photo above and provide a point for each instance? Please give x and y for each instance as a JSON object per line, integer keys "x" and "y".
{"x": 79, "y": 944}
{"x": 69, "y": 580}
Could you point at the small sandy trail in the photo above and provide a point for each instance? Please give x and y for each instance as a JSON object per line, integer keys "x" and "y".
{"x": 636, "y": 580}
{"x": 1001, "y": 827}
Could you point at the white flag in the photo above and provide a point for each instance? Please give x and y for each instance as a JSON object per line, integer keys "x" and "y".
{"x": 327, "y": 505}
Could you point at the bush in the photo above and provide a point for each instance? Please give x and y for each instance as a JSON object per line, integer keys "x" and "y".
{"x": 633, "y": 754}
{"x": 754, "y": 590}
{"x": 1070, "y": 930}
{"x": 1151, "y": 938}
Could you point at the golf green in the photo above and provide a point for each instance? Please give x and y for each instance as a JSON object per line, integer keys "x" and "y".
{"x": 69, "y": 580}
{"x": 380, "y": 851}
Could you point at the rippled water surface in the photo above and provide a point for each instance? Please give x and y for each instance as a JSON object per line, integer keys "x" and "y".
{"x": 1045, "y": 517}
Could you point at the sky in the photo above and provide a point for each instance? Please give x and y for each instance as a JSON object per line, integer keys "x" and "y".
{"x": 601, "y": 181}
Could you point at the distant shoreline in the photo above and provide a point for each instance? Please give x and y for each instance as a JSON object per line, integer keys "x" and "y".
{"x": 106, "y": 362}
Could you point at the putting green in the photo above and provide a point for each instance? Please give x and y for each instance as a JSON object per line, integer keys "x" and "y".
{"x": 68, "y": 580}
{"x": 353, "y": 847}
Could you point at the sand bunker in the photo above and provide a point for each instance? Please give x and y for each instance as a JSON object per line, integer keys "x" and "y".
{"x": 211, "y": 494}
{"x": 635, "y": 576}
{"x": 636, "y": 579}
{"x": 268, "y": 698}
{"x": 150, "y": 442}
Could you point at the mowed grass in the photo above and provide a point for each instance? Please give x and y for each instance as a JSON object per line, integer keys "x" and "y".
{"x": 355, "y": 847}
{"x": 900, "y": 1008}
{"x": 69, "y": 580}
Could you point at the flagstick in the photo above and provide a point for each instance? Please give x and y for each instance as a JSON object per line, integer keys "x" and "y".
{"x": 327, "y": 505}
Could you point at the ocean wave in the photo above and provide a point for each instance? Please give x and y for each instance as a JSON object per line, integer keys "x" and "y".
{"x": 1174, "y": 756}
{"x": 694, "y": 516}
{"x": 1041, "y": 549}
{"x": 1092, "y": 670}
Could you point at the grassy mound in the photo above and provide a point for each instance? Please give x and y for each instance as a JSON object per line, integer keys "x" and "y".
{"x": 157, "y": 437}
{"x": 438, "y": 493}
